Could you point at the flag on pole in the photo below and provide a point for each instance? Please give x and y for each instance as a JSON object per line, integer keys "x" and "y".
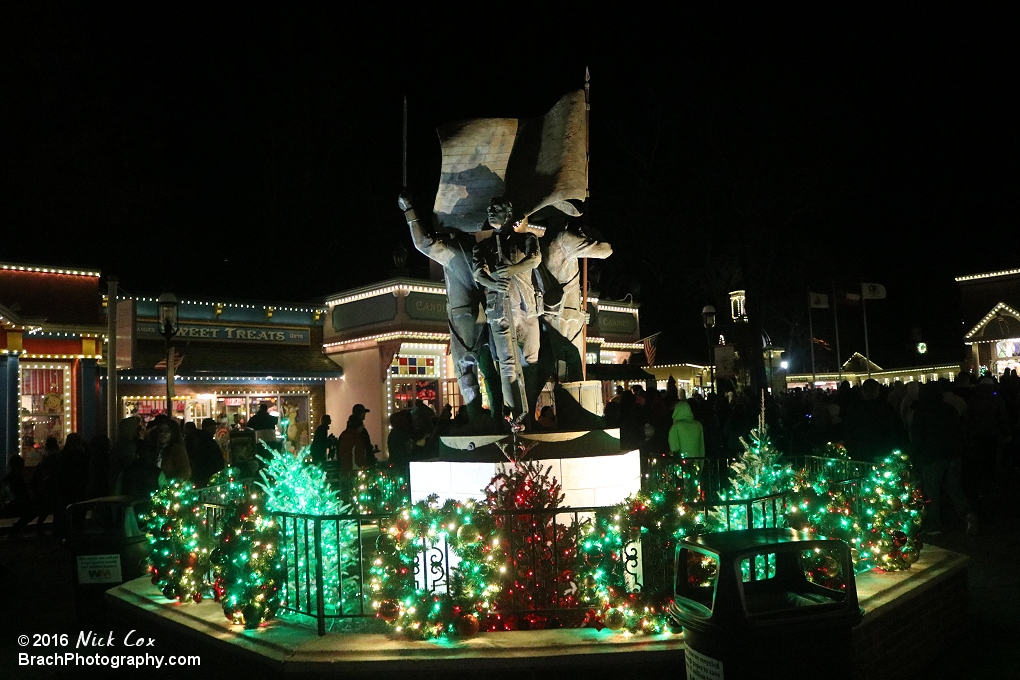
{"x": 873, "y": 291}
{"x": 845, "y": 297}
{"x": 178, "y": 358}
{"x": 534, "y": 162}
{"x": 649, "y": 344}
{"x": 819, "y": 300}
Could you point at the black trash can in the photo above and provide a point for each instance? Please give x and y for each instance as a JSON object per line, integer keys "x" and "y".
{"x": 762, "y": 603}
{"x": 108, "y": 547}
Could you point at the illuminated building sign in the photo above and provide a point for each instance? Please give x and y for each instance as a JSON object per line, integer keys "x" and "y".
{"x": 425, "y": 306}
{"x": 263, "y": 335}
{"x": 617, "y": 323}
{"x": 364, "y": 312}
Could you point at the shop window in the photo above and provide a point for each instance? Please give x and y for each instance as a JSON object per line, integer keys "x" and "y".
{"x": 407, "y": 366}
{"x": 148, "y": 408}
{"x": 45, "y": 398}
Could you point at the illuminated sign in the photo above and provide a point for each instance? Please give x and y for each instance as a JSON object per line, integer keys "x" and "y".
{"x": 425, "y": 307}
{"x": 263, "y": 335}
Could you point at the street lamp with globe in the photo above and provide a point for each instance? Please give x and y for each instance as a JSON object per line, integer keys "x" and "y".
{"x": 708, "y": 318}
{"x": 168, "y": 328}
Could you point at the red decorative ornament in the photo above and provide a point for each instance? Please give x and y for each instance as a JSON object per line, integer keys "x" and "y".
{"x": 388, "y": 611}
{"x": 467, "y": 626}
{"x": 197, "y": 597}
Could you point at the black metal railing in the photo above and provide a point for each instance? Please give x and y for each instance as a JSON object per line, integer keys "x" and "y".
{"x": 327, "y": 560}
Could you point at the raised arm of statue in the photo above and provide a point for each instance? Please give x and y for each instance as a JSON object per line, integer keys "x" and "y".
{"x": 426, "y": 242}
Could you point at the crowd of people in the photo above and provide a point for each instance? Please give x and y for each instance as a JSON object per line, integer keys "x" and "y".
{"x": 962, "y": 436}
{"x": 143, "y": 458}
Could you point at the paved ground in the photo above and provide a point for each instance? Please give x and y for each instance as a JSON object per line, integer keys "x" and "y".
{"x": 37, "y": 597}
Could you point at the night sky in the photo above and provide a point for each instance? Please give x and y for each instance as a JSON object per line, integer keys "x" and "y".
{"x": 258, "y": 155}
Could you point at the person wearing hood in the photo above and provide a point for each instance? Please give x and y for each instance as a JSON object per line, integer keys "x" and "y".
{"x": 686, "y": 436}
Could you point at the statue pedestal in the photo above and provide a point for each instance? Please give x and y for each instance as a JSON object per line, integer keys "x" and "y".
{"x": 588, "y": 463}
{"x": 587, "y": 393}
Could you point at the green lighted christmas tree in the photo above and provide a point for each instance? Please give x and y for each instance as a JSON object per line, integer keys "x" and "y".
{"x": 294, "y": 486}
{"x": 248, "y": 564}
{"x": 179, "y": 542}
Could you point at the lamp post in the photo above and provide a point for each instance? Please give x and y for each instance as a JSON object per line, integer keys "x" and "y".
{"x": 708, "y": 317}
{"x": 168, "y": 327}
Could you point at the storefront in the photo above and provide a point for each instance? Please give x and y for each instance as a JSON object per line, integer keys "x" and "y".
{"x": 51, "y": 342}
{"x": 229, "y": 358}
{"x": 990, "y": 302}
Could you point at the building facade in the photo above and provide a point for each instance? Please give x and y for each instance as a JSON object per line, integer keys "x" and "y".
{"x": 990, "y": 304}
{"x": 52, "y": 334}
{"x": 229, "y": 357}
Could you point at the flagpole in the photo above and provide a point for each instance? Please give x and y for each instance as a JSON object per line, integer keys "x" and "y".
{"x": 584, "y": 261}
{"x": 835, "y": 318}
{"x": 403, "y": 175}
{"x": 811, "y": 339}
{"x": 864, "y": 312}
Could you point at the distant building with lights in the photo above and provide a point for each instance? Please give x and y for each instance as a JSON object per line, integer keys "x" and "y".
{"x": 382, "y": 346}
{"x": 52, "y": 331}
{"x": 990, "y": 304}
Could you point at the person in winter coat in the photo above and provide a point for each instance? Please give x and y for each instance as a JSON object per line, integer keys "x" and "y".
{"x": 936, "y": 446}
{"x": 130, "y": 433}
{"x": 686, "y": 436}
{"x": 173, "y": 454}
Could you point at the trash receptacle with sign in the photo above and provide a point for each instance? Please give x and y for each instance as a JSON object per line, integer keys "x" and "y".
{"x": 765, "y": 603}
{"x": 108, "y": 547}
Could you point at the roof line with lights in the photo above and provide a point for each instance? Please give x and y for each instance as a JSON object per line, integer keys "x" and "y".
{"x": 14, "y": 266}
{"x": 991, "y": 315}
{"x": 988, "y": 275}
{"x": 404, "y": 286}
{"x": 239, "y": 305}
{"x": 383, "y": 337}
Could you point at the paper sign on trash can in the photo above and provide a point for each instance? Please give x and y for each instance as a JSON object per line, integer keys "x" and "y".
{"x": 99, "y": 569}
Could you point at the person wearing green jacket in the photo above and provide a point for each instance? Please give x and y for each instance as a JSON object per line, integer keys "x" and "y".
{"x": 686, "y": 436}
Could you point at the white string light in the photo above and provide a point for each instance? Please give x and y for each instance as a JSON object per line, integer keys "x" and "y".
{"x": 971, "y": 277}
{"x": 1002, "y": 306}
{"x": 404, "y": 288}
{"x": 47, "y": 270}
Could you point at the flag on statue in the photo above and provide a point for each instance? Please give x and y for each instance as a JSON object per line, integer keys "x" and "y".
{"x": 819, "y": 300}
{"x": 649, "y": 344}
{"x": 534, "y": 162}
{"x": 873, "y": 291}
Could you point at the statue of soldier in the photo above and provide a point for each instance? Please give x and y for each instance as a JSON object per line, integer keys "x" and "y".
{"x": 453, "y": 250}
{"x": 503, "y": 265}
{"x": 560, "y": 252}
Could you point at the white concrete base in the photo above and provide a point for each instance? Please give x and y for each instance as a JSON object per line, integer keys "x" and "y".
{"x": 594, "y": 481}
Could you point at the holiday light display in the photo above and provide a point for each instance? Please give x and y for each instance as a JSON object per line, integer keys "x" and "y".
{"x": 300, "y": 490}
{"x": 416, "y": 541}
{"x": 248, "y": 564}
{"x": 379, "y": 491}
{"x": 179, "y": 542}
{"x": 449, "y": 569}
{"x": 541, "y": 552}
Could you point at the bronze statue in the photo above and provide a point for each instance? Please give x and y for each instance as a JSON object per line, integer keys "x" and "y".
{"x": 453, "y": 250}
{"x": 565, "y": 312}
{"x": 503, "y": 264}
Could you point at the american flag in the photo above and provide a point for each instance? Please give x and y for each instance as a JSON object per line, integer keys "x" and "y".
{"x": 649, "y": 344}
{"x": 178, "y": 358}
